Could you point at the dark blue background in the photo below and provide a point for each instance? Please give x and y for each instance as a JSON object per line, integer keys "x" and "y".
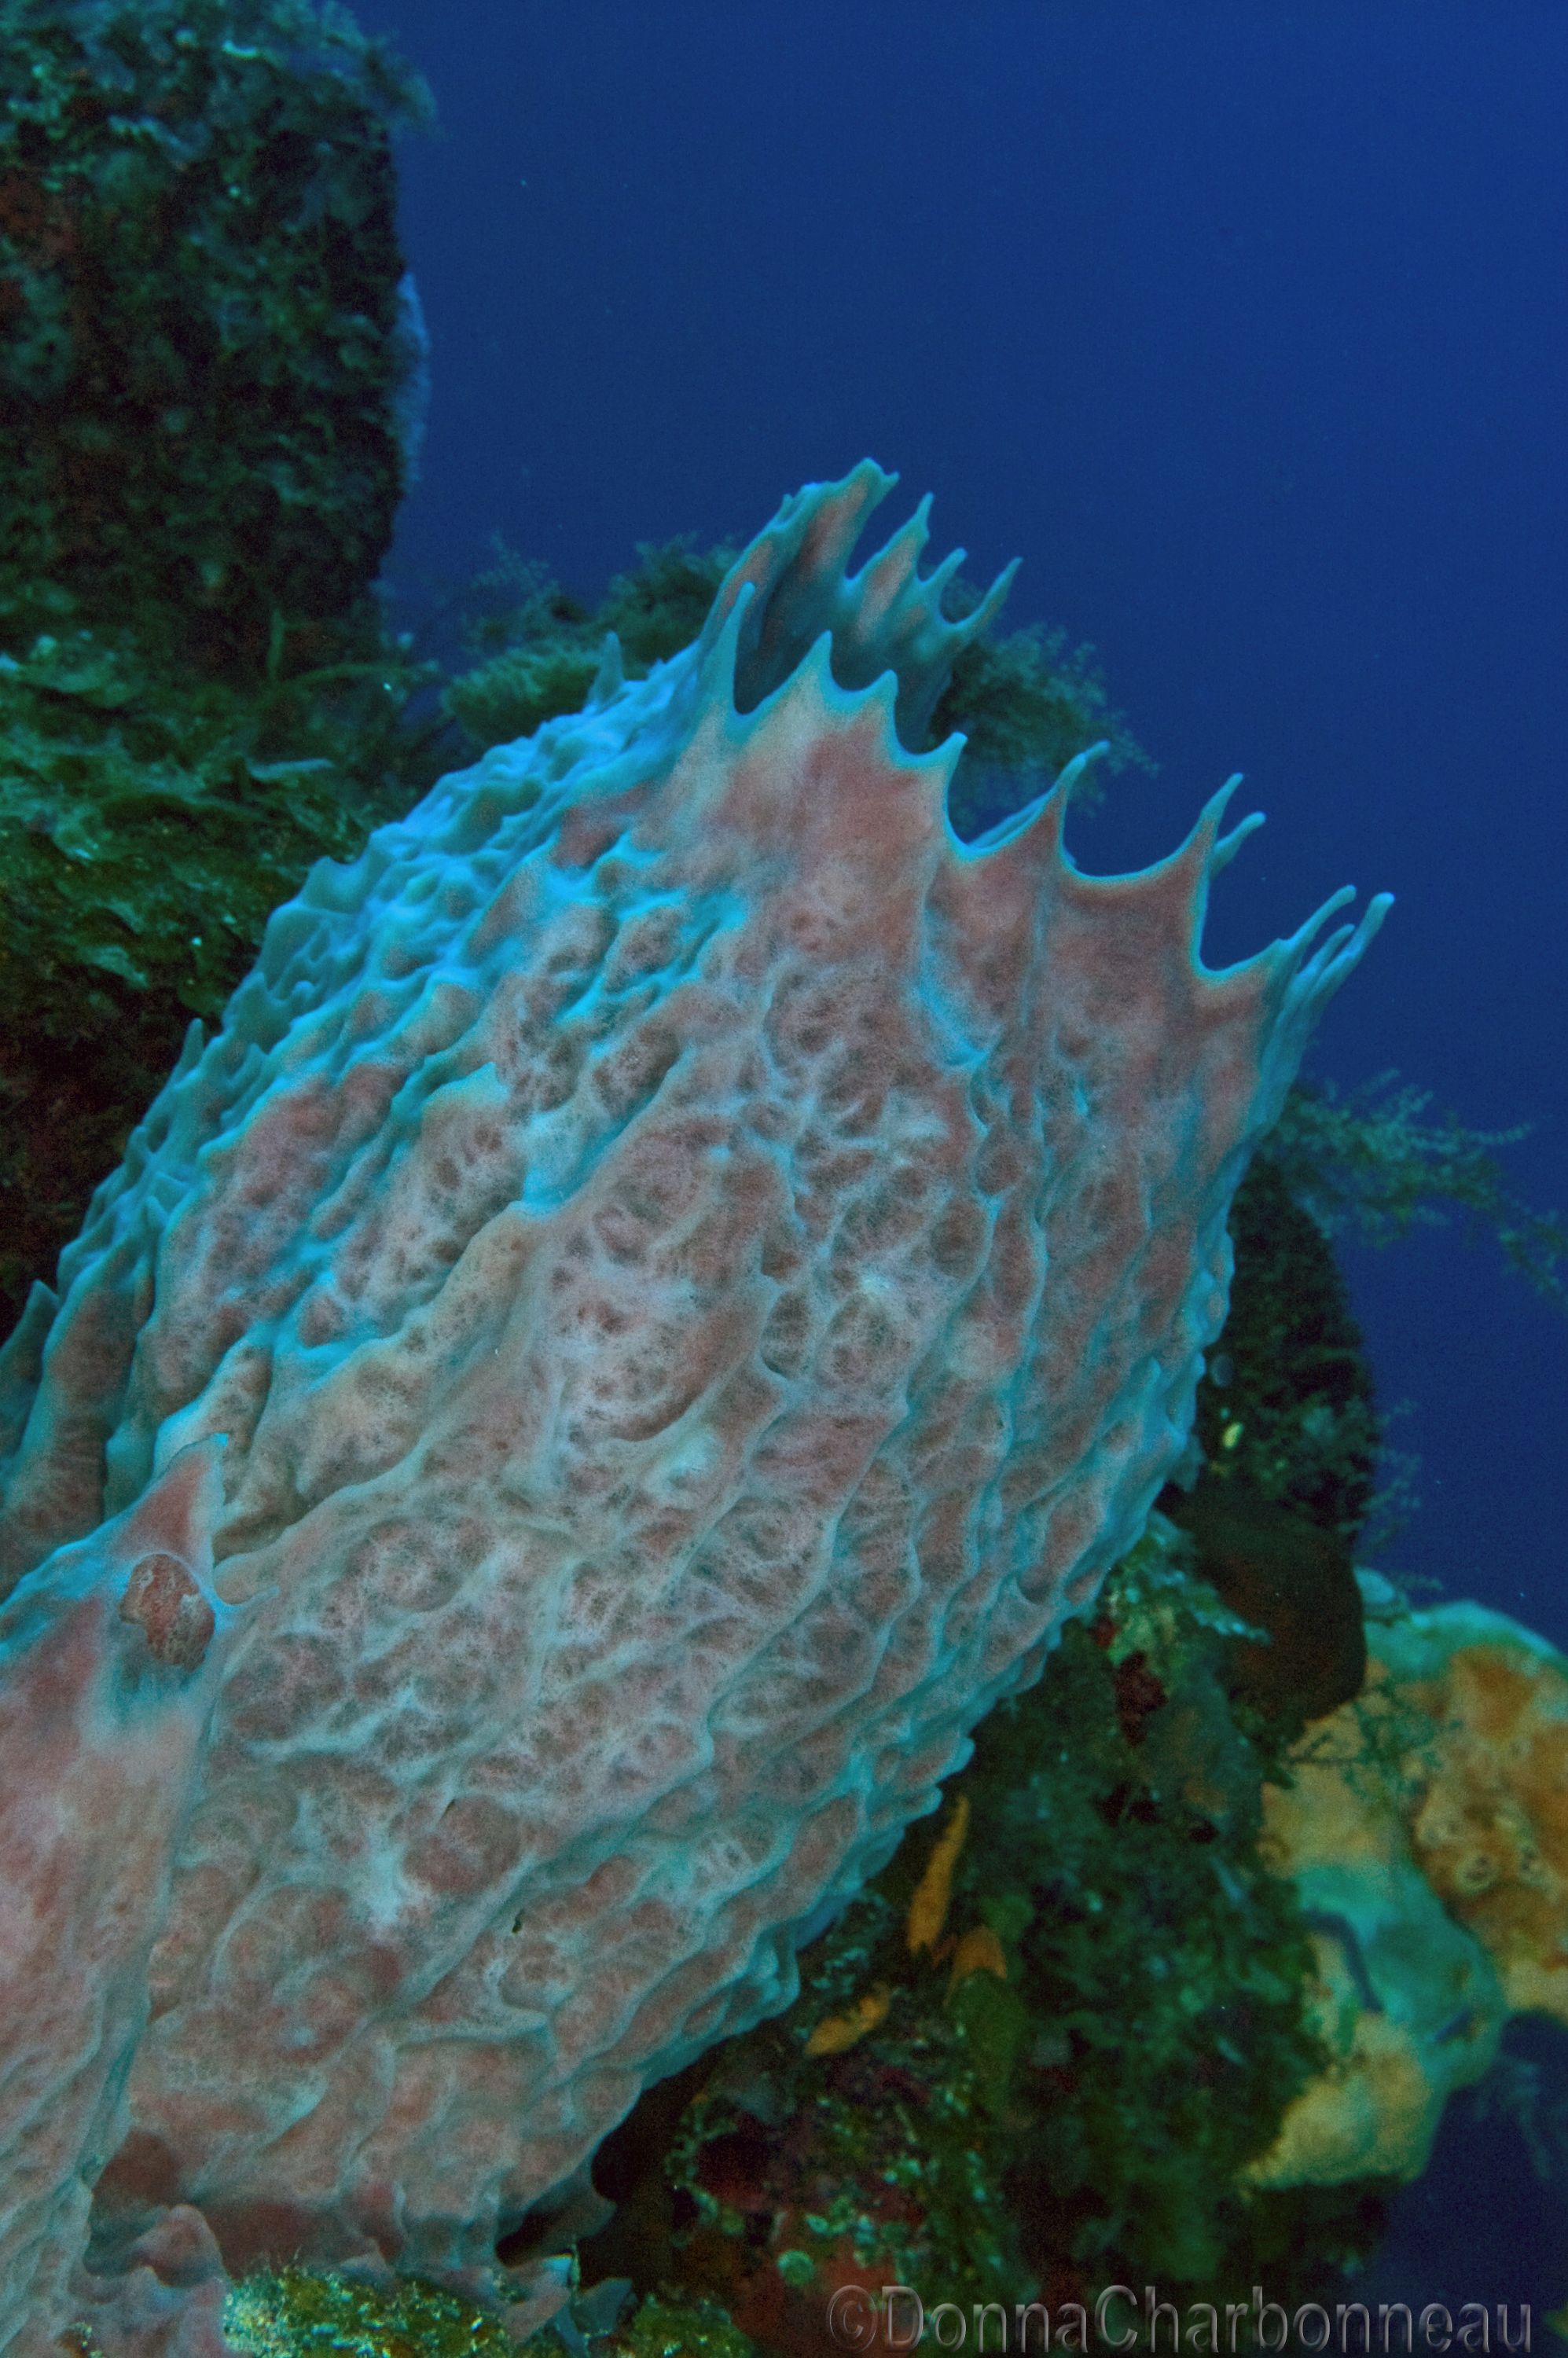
{"x": 1246, "y": 326}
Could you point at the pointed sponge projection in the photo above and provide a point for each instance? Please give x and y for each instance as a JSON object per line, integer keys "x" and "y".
{"x": 700, "y": 1270}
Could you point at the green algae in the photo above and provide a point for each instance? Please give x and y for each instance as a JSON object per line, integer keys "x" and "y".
{"x": 299, "y": 2313}
{"x": 205, "y": 346}
{"x": 1373, "y": 1165}
{"x": 991, "y": 2133}
{"x": 151, "y": 820}
{"x": 296, "y": 2312}
{"x": 1286, "y": 1408}
{"x": 1026, "y": 703}
{"x": 539, "y": 648}
{"x": 204, "y": 361}
{"x": 664, "y": 2328}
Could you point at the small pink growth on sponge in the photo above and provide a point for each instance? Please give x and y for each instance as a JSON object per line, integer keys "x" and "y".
{"x": 175, "y": 1618}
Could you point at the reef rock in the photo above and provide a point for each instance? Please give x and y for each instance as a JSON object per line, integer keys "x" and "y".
{"x": 700, "y": 1270}
{"x": 1486, "y": 1797}
{"x": 1426, "y": 1828}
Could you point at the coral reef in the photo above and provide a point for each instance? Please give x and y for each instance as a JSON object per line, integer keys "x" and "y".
{"x": 701, "y": 1271}
{"x": 1408, "y": 2006}
{"x": 1426, "y": 1827}
{"x": 1294, "y": 1588}
{"x": 207, "y": 345}
{"x": 150, "y": 821}
{"x": 1285, "y": 1410}
{"x": 1487, "y": 1799}
{"x": 293, "y": 2313}
{"x": 1319, "y": 1947}
{"x": 207, "y": 357}
{"x": 953, "y": 2099}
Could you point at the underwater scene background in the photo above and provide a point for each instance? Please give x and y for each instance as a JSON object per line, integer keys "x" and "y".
{"x": 1225, "y": 1963}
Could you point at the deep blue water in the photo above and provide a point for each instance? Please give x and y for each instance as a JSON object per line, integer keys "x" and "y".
{"x": 1246, "y": 326}
{"x": 1487, "y": 2221}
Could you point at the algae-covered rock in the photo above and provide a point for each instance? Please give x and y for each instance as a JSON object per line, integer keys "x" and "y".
{"x": 1286, "y": 1412}
{"x": 1294, "y": 1586}
{"x": 208, "y": 357}
{"x": 210, "y": 363}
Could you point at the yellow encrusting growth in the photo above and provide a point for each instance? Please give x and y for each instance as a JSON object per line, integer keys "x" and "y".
{"x": 1425, "y": 1826}
{"x": 978, "y": 1952}
{"x": 836, "y": 2033}
{"x": 1490, "y": 1825}
{"x": 934, "y": 1892}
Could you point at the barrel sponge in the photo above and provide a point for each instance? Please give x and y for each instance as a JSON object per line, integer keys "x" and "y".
{"x": 700, "y": 1272}
{"x": 109, "y": 1660}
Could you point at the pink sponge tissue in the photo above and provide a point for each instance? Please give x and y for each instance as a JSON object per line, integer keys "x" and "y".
{"x": 699, "y": 1271}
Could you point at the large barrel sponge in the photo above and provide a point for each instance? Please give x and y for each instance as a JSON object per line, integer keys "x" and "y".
{"x": 700, "y": 1272}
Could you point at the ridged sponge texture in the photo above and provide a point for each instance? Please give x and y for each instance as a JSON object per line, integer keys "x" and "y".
{"x": 109, "y": 1661}
{"x": 699, "y": 1271}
